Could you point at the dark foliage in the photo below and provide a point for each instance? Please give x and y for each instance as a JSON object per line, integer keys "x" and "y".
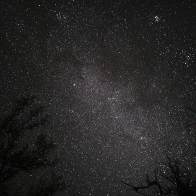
{"x": 194, "y": 113}
{"x": 174, "y": 180}
{"x": 19, "y": 158}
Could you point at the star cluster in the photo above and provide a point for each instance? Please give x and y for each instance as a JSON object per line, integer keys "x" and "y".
{"x": 116, "y": 77}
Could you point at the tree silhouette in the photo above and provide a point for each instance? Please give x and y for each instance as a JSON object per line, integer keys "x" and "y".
{"x": 174, "y": 179}
{"x": 20, "y": 156}
{"x": 194, "y": 113}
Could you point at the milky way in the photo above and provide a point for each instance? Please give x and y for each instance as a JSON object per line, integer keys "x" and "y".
{"x": 116, "y": 77}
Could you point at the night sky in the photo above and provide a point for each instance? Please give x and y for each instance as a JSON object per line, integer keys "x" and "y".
{"x": 116, "y": 77}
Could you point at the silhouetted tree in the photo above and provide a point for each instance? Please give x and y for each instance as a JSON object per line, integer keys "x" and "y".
{"x": 19, "y": 156}
{"x": 194, "y": 113}
{"x": 174, "y": 179}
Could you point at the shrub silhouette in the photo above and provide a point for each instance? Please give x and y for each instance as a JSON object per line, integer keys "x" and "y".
{"x": 19, "y": 156}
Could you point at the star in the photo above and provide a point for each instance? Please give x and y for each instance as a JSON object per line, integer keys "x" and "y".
{"x": 115, "y": 77}
{"x": 156, "y": 18}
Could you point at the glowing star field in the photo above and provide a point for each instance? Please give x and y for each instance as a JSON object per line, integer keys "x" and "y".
{"x": 116, "y": 78}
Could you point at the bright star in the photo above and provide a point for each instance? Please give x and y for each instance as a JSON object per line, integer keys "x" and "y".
{"x": 157, "y": 19}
